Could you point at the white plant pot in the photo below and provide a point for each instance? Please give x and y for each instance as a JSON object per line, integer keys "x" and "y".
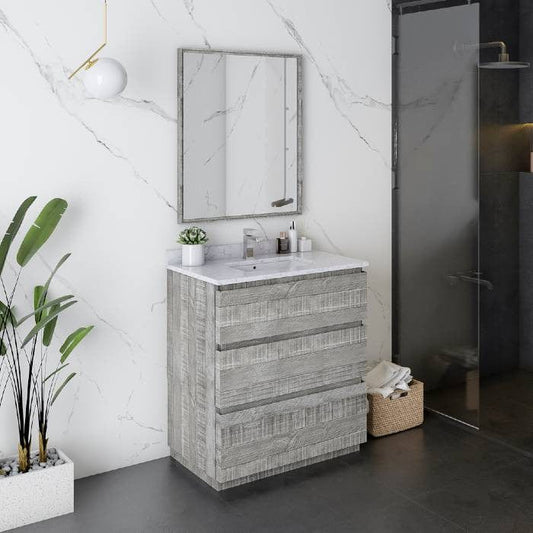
{"x": 37, "y": 495}
{"x": 192, "y": 255}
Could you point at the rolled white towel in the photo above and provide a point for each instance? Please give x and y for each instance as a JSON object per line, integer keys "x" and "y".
{"x": 386, "y": 377}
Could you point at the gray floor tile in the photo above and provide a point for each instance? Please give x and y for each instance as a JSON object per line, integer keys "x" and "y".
{"x": 476, "y": 507}
{"x": 507, "y": 408}
{"x": 435, "y": 478}
{"x": 406, "y": 517}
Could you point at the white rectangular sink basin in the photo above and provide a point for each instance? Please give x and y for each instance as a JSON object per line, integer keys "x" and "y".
{"x": 270, "y": 265}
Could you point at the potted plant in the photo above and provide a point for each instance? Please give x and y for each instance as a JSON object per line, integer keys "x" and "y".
{"x": 192, "y": 242}
{"x": 35, "y": 485}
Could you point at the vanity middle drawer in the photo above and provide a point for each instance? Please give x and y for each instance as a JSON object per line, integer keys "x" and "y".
{"x": 268, "y": 313}
{"x": 272, "y": 371}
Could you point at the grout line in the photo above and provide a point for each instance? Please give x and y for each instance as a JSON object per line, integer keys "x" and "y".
{"x": 487, "y": 436}
{"x": 434, "y": 513}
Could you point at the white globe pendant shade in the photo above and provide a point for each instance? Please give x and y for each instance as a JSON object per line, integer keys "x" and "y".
{"x": 105, "y": 79}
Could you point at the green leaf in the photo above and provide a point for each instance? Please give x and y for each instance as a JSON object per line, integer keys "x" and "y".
{"x": 193, "y": 235}
{"x": 37, "y": 294}
{"x": 48, "y": 332}
{"x": 55, "y": 372}
{"x": 6, "y": 315}
{"x": 42, "y": 323}
{"x": 73, "y": 340}
{"x": 13, "y": 229}
{"x": 49, "y": 280}
{"x": 63, "y": 385}
{"x": 47, "y": 305}
{"x": 42, "y": 228}
{"x": 3, "y": 349}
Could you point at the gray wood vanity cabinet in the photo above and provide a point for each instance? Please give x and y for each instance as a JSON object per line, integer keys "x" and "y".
{"x": 265, "y": 376}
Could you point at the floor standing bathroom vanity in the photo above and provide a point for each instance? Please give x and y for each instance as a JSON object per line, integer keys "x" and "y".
{"x": 265, "y": 359}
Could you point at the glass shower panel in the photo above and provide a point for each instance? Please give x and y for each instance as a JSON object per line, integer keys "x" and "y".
{"x": 437, "y": 206}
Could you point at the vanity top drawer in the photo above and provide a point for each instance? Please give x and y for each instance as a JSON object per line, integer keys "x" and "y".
{"x": 268, "y": 313}
{"x": 276, "y": 370}
{"x": 280, "y": 289}
{"x": 271, "y": 436}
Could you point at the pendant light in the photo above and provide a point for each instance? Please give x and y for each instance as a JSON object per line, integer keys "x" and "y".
{"x": 103, "y": 77}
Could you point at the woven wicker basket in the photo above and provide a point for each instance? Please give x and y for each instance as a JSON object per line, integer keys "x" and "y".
{"x": 387, "y": 416}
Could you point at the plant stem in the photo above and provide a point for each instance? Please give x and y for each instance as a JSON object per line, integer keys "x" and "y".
{"x": 43, "y": 447}
{"x": 24, "y": 457}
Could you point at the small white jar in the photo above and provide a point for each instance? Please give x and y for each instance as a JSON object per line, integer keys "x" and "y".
{"x": 305, "y": 244}
{"x": 192, "y": 255}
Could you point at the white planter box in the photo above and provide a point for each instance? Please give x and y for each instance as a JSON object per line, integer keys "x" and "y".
{"x": 37, "y": 495}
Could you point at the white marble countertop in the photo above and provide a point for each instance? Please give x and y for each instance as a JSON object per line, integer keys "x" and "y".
{"x": 265, "y": 267}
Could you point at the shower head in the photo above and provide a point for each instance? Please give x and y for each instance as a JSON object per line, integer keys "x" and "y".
{"x": 503, "y": 62}
{"x": 505, "y": 65}
{"x": 283, "y": 202}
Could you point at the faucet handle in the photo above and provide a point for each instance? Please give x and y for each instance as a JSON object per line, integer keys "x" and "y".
{"x": 249, "y": 232}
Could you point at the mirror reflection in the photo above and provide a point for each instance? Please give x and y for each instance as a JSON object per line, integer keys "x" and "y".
{"x": 240, "y": 142}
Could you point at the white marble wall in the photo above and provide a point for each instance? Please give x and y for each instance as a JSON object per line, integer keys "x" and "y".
{"x": 115, "y": 162}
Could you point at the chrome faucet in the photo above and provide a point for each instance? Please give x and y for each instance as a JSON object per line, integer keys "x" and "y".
{"x": 249, "y": 239}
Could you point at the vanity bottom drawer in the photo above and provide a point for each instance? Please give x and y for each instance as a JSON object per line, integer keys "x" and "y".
{"x": 272, "y": 436}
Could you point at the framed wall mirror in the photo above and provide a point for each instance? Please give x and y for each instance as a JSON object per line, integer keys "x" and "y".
{"x": 240, "y": 135}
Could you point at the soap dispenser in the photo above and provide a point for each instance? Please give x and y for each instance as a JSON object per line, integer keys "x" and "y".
{"x": 293, "y": 238}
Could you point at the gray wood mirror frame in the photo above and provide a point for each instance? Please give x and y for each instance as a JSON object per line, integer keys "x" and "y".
{"x": 239, "y": 135}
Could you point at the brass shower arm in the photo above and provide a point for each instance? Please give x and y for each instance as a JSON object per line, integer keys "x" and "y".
{"x": 90, "y": 61}
{"x": 495, "y": 44}
{"x": 503, "y": 56}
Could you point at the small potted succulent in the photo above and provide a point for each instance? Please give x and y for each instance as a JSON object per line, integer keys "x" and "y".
{"x": 192, "y": 242}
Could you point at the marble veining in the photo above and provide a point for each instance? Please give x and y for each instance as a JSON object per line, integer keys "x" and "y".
{"x": 339, "y": 90}
{"x": 56, "y": 79}
{"x": 115, "y": 162}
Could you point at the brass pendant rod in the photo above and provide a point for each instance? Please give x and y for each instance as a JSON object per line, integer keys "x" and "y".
{"x": 90, "y": 60}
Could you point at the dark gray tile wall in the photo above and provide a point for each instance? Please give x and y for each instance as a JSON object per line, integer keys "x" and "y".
{"x": 499, "y": 338}
{"x": 526, "y": 271}
{"x": 506, "y": 250}
{"x": 526, "y": 54}
{"x": 504, "y": 143}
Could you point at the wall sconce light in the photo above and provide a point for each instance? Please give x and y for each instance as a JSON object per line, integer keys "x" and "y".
{"x": 103, "y": 77}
